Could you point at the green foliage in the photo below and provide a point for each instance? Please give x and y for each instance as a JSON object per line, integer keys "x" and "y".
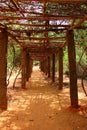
{"x": 81, "y": 51}
{"x": 65, "y": 60}
{"x": 80, "y": 37}
{"x": 13, "y": 56}
{"x": 36, "y": 63}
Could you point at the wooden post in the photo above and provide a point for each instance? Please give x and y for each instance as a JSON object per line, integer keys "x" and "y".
{"x": 30, "y": 66}
{"x": 44, "y": 67}
{"x": 23, "y": 65}
{"x": 3, "y": 69}
{"x": 48, "y": 66}
{"x": 53, "y": 68}
{"x": 27, "y": 66}
{"x": 60, "y": 68}
{"x": 72, "y": 69}
{"x": 41, "y": 66}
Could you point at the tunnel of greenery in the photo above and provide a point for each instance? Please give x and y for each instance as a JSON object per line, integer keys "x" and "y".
{"x": 49, "y": 33}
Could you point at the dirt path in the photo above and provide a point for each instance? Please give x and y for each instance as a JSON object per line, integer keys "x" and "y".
{"x": 42, "y": 107}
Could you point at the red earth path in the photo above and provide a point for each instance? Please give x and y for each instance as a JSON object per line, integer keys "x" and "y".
{"x": 42, "y": 107}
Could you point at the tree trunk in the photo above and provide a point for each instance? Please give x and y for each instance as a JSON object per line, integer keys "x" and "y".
{"x": 60, "y": 68}
{"x": 72, "y": 69}
{"x": 3, "y": 69}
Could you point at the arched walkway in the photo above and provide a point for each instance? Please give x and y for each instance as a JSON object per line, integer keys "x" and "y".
{"x": 41, "y": 107}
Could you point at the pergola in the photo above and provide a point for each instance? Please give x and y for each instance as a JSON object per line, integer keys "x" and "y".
{"x": 30, "y": 23}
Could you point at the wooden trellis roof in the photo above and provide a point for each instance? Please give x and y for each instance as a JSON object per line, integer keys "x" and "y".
{"x": 40, "y": 25}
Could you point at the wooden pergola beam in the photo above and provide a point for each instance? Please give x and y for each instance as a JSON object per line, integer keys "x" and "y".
{"x": 40, "y": 18}
{"x": 14, "y": 38}
{"x": 35, "y": 30}
{"x": 59, "y": 1}
{"x": 17, "y": 31}
{"x": 45, "y": 53}
{"x": 36, "y": 25}
{"x": 78, "y": 24}
{"x": 45, "y": 38}
{"x": 42, "y": 43}
{"x": 4, "y": 9}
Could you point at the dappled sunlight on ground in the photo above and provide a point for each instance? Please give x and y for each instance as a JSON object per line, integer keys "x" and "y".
{"x": 42, "y": 107}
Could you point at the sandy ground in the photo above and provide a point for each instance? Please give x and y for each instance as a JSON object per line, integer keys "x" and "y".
{"x": 42, "y": 107}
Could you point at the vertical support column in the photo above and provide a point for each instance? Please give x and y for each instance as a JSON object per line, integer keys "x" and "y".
{"x": 23, "y": 65}
{"x": 3, "y": 69}
{"x": 44, "y": 66}
{"x": 72, "y": 69}
{"x": 60, "y": 68}
{"x": 30, "y": 66}
{"x": 27, "y": 66}
{"x": 48, "y": 66}
{"x": 41, "y": 68}
{"x": 53, "y": 68}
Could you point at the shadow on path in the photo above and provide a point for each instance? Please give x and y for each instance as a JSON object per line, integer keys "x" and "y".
{"x": 41, "y": 107}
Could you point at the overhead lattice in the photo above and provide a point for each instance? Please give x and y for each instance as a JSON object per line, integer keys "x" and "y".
{"x": 40, "y": 25}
